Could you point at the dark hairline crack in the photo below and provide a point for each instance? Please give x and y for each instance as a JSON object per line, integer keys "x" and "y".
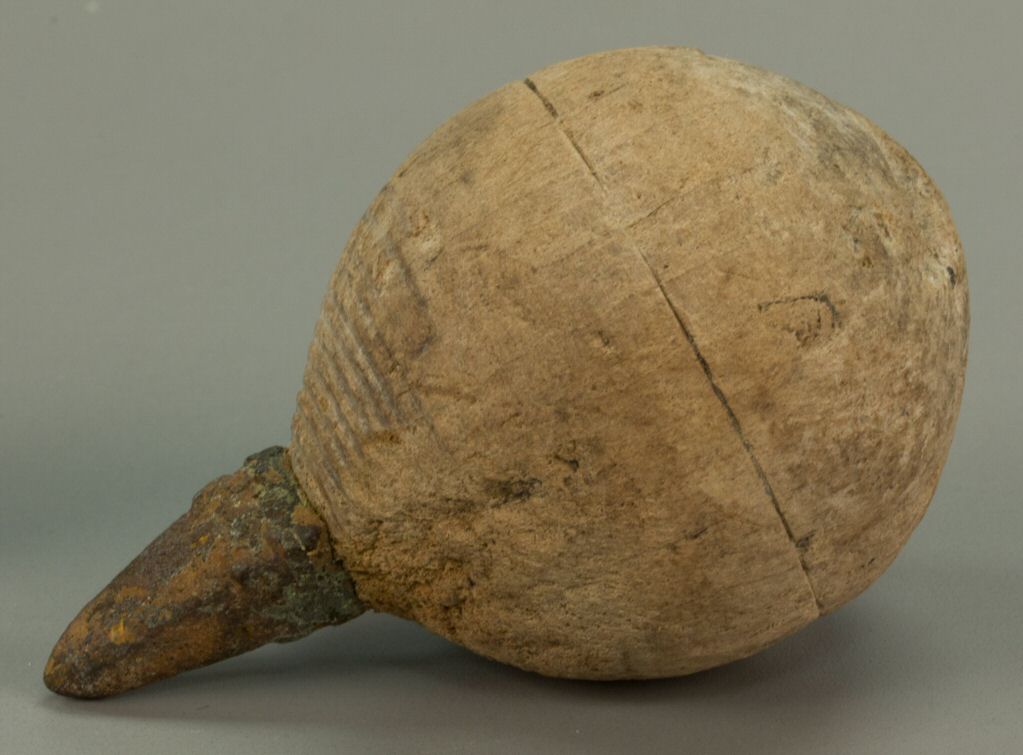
{"x": 733, "y": 419}
{"x": 565, "y": 130}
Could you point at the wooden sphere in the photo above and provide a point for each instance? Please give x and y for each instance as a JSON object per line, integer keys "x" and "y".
{"x": 635, "y": 367}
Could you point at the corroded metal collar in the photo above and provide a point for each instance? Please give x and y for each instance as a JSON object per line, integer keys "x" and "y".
{"x": 250, "y": 563}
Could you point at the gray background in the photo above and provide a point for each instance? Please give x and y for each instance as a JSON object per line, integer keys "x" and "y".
{"x": 176, "y": 182}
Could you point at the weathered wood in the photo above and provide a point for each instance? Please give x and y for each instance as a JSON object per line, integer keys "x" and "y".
{"x": 636, "y": 367}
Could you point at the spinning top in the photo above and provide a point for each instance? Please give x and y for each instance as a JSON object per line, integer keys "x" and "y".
{"x": 632, "y": 369}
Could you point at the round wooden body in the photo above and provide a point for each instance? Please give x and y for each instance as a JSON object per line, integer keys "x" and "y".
{"x": 635, "y": 367}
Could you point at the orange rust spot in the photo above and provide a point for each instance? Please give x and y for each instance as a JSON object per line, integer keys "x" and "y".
{"x": 119, "y": 635}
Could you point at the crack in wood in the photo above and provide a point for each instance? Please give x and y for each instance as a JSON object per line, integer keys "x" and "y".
{"x": 733, "y": 419}
{"x": 565, "y": 130}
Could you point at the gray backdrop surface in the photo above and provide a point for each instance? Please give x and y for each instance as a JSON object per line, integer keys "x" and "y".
{"x": 176, "y": 183}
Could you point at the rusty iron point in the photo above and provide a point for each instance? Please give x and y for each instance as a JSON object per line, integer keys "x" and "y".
{"x": 251, "y": 562}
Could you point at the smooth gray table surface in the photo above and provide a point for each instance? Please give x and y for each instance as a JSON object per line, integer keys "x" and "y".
{"x": 176, "y": 182}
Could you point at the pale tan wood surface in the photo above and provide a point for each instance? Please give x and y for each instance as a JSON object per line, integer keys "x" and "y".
{"x": 635, "y": 367}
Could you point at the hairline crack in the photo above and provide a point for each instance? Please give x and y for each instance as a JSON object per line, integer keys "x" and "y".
{"x": 733, "y": 419}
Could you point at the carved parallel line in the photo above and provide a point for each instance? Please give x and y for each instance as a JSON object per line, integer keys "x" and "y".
{"x": 325, "y": 389}
{"x": 375, "y": 385}
{"x": 351, "y": 373}
{"x": 336, "y": 366}
{"x": 365, "y": 319}
{"x": 323, "y": 439}
{"x": 326, "y": 433}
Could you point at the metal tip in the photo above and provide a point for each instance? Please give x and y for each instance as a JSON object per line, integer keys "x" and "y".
{"x": 250, "y": 563}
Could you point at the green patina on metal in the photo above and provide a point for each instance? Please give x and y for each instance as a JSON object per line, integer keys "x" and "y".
{"x": 251, "y": 562}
